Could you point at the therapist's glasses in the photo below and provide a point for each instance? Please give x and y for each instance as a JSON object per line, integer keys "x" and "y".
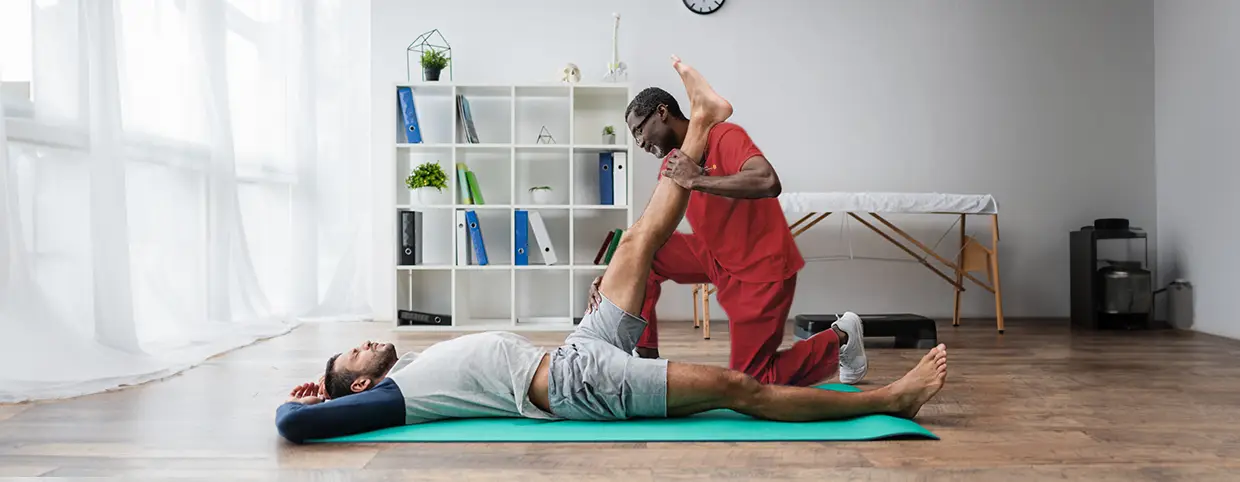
{"x": 637, "y": 131}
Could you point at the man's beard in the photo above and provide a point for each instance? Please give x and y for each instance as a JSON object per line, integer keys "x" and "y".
{"x": 387, "y": 359}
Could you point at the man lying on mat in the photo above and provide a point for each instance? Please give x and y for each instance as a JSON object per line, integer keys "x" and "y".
{"x": 593, "y": 375}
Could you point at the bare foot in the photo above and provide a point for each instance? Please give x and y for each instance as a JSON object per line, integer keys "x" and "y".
{"x": 704, "y": 103}
{"x": 921, "y": 383}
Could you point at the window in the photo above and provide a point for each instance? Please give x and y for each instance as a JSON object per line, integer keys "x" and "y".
{"x": 16, "y": 65}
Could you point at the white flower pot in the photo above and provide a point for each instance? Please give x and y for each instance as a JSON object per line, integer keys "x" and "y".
{"x": 428, "y": 196}
{"x": 609, "y": 138}
{"x": 543, "y": 196}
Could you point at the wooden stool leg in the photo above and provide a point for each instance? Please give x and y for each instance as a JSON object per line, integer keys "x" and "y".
{"x": 994, "y": 267}
{"x": 959, "y": 272}
{"x": 697, "y": 323}
{"x": 705, "y": 313}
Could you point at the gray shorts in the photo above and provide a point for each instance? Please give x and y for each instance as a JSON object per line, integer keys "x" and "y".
{"x": 594, "y": 375}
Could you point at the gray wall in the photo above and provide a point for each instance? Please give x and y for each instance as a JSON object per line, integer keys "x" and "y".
{"x": 1046, "y": 104}
{"x": 1198, "y": 138}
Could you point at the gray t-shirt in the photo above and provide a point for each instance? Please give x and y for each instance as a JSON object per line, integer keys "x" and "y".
{"x": 477, "y": 375}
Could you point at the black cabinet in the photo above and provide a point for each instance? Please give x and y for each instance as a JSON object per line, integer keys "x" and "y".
{"x": 1109, "y": 293}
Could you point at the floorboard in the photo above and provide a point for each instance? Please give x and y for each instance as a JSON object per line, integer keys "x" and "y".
{"x": 1041, "y": 402}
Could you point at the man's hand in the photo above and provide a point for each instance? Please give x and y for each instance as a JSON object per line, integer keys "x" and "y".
{"x": 595, "y": 298}
{"x": 682, "y": 170}
{"x": 306, "y": 394}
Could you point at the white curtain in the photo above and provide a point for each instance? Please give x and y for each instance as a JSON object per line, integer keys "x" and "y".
{"x": 188, "y": 177}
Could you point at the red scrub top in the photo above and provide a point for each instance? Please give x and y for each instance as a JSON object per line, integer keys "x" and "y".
{"x": 749, "y": 238}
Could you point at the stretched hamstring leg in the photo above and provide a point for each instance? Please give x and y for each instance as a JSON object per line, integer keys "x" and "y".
{"x": 624, "y": 281}
{"x": 697, "y": 388}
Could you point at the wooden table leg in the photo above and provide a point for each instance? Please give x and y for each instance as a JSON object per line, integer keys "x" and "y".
{"x": 959, "y": 273}
{"x": 994, "y": 268}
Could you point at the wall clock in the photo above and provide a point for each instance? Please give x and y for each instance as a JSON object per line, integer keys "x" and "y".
{"x": 703, "y": 7}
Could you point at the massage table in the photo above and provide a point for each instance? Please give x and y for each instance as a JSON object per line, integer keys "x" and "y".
{"x": 973, "y": 256}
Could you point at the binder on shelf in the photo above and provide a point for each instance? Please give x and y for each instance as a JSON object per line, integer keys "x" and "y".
{"x": 409, "y": 114}
{"x": 475, "y": 237}
{"x": 521, "y": 238}
{"x": 605, "y": 184}
{"x": 466, "y": 120}
{"x": 410, "y": 238}
{"x": 462, "y": 240}
{"x": 475, "y": 190}
{"x": 602, "y": 250}
{"x": 620, "y": 179}
{"x": 462, "y": 183}
{"x": 611, "y": 248}
{"x": 411, "y": 317}
{"x": 544, "y": 240}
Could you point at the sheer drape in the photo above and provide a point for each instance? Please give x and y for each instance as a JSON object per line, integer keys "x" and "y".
{"x": 194, "y": 178}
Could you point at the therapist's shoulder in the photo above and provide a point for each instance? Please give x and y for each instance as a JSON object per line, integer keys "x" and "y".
{"x": 730, "y": 146}
{"x": 728, "y": 131}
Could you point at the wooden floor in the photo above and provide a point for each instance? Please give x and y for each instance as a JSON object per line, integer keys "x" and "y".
{"x": 1040, "y": 402}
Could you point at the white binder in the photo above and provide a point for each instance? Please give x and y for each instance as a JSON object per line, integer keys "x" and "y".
{"x": 462, "y": 240}
{"x": 620, "y": 179}
{"x": 544, "y": 240}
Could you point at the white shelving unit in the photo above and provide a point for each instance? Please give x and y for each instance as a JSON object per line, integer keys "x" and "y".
{"x": 507, "y": 161}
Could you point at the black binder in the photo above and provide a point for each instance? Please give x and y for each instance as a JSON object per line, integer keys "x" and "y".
{"x": 410, "y": 317}
{"x": 410, "y": 238}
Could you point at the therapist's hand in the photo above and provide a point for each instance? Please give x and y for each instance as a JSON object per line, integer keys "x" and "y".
{"x": 682, "y": 169}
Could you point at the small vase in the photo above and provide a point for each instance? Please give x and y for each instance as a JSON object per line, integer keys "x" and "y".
{"x": 427, "y": 196}
{"x": 542, "y": 196}
{"x": 431, "y": 74}
{"x": 609, "y": 138}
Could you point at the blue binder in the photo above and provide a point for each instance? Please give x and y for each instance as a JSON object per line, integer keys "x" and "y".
{"x": 475, "y": 236}
{"x": 606, "y": 185}
{"x": 521, "y": 230}
{"x": 409, "y": 114}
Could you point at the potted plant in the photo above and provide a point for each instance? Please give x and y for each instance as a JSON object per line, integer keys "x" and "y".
{"x": 609, "y": 135}
{"x": 427, "y": 183}
{"x": 433, "y": 62}
{"x": 542, "y": 195}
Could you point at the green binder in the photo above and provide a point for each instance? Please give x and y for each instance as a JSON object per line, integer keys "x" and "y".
{"x": 611, "y": 249}
{"x": 473, "y": 187}
{"x": 462, "y": 183}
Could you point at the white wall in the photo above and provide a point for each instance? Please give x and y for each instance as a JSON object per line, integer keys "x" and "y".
{"x": 1198, "y": 138}
{"x": 1048, "y": 105}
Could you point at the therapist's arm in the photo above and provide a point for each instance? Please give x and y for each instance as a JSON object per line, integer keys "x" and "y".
{"x": 755, "y": 180}
{"x": 737, "y": 169}
{"x": 379, "y": 407}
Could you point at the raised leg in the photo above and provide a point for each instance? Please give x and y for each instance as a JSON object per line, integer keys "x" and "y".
{"x": 994, "y": 269}
{"x": 698, "y": 388}
{"x": 624, "y": 282}
{"x": 704, "y": 104}
{"x": 675, "y": 261}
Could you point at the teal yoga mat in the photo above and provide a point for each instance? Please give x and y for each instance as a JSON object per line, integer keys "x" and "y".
{"x": 713, "y": 426}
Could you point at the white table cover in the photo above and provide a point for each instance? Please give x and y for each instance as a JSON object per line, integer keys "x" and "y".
{"x": 888, "y": 202}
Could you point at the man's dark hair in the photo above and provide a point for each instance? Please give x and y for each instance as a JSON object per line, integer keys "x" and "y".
{"x": 337, "y": 383}
{"x": 649, "y": 99}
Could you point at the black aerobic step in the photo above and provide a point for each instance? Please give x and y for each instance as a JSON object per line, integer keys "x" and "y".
{"x": 909, "y": 330}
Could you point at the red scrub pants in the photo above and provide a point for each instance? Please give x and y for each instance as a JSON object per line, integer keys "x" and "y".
{"x": 757, "y": 314}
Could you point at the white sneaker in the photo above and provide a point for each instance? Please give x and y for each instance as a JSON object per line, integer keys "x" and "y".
{"x": 853, "y": 364}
